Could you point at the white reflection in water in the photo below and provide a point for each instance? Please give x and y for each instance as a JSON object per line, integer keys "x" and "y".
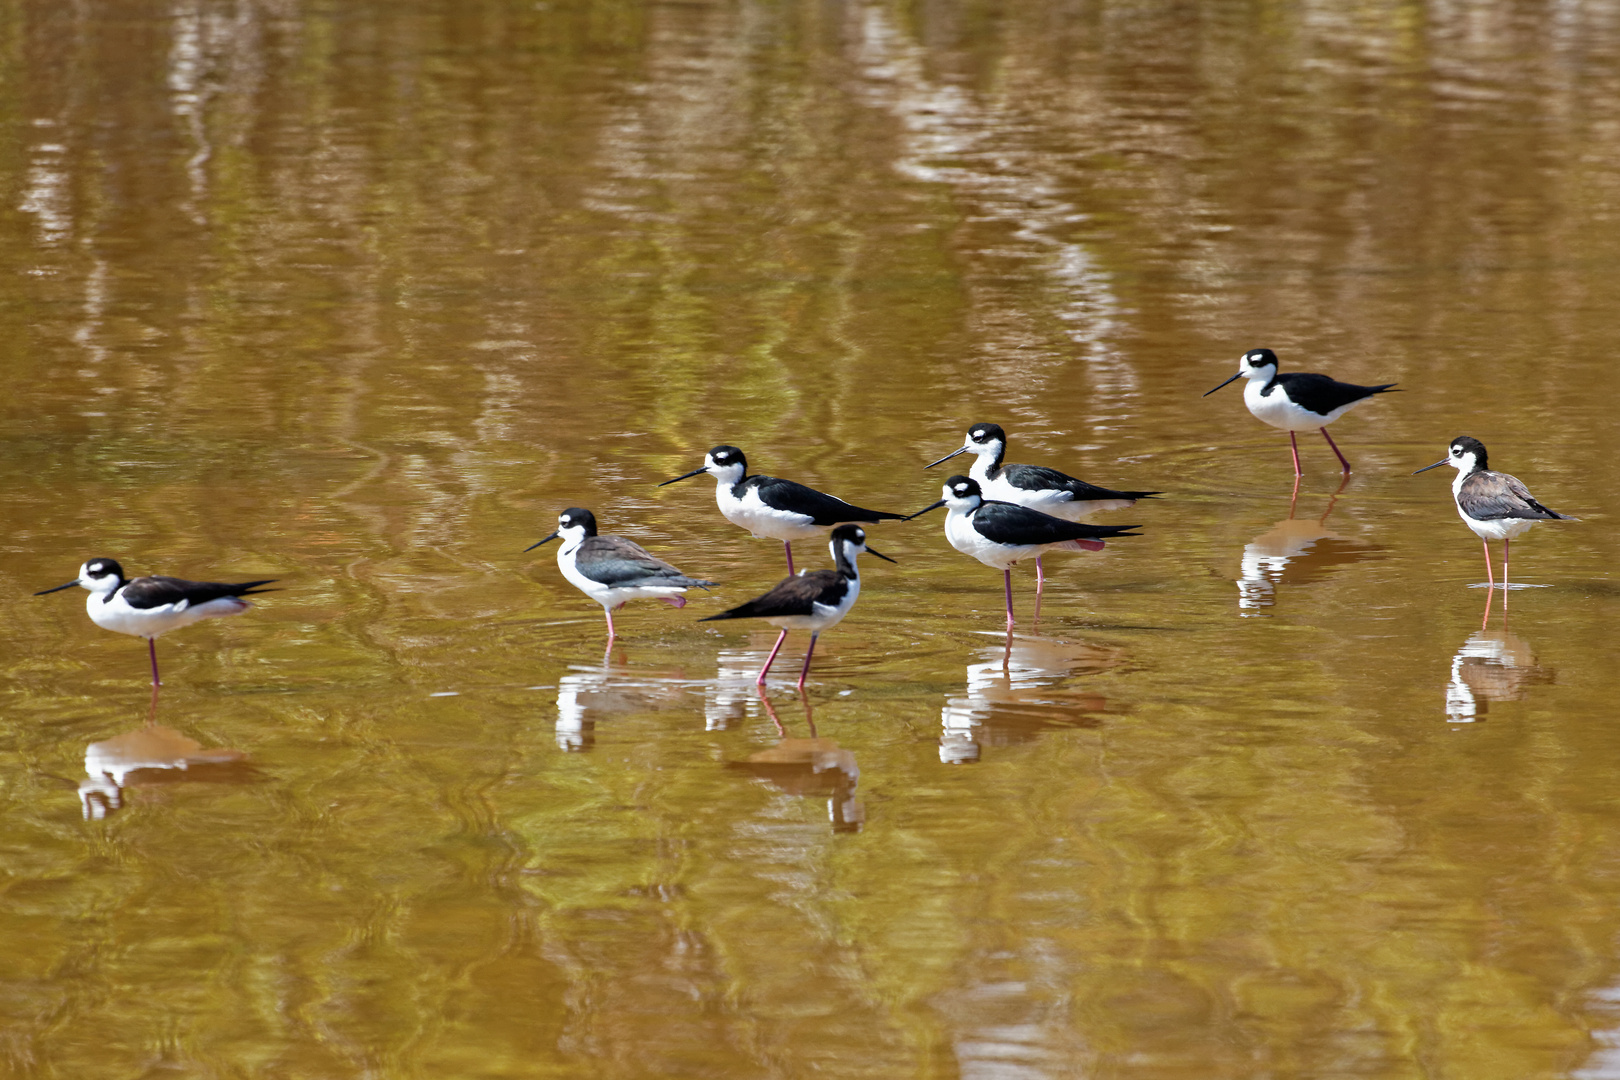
{"x": 1490, "y": 666}
{"x": 151, "y": 755}
{"x": 1294, "y": 551}
{"x": 589, "y": 694}
{"x": 731, "y": 694}
{"x": 1013, "y": 695}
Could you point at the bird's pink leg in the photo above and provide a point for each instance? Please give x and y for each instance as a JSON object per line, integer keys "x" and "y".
{"x": 1040, "y": 576}
{"x": 1293, "y": 443}
{"x": 151, "y": 648}
{"x": 805, "y": 671}
{"x": 1007, "y": 573}
{"x": 1488, "y": 575}
{"x": 771, "y": 659}
{"x": 1335, "y": 446}
{"x": 611, "y": 632}
{"x": 674, "y": 601}
{"x": 787, "y": 546}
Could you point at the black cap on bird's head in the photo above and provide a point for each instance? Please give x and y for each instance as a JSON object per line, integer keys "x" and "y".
{"x": 853, "y": 534}
{"x": 1464, "y": 453}
{"x": 1254, "y": 364}
{"x": 957, "y": 488}
{"x": 575, "y": 517}
{"x": 719, "y": 459}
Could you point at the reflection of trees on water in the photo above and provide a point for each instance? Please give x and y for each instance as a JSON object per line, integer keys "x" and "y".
{"x": 1013, "y": 695}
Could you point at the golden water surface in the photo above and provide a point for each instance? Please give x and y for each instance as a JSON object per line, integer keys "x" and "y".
{"x": 358, "y": 296}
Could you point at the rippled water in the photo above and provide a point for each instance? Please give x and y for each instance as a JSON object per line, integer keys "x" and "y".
{"x": 360, "y": 296}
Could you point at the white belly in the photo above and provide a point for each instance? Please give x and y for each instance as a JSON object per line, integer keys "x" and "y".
{"x": 826, "y": 615}
{"x": 765, "y": 522}
{"x": 119, "y": 617}
{"x": 1276, "y": 410}
{"x": 1500, "y": 529}
{"x": 965, "y": 538}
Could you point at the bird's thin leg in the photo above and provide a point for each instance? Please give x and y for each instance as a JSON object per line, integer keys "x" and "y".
{"x": 787, "y": 545}
{"x": 1293, "y": 443}
{"x": 1335, "y": 446}
{"x": 804, "y": 671}
{"x": 1505, "y": 544}
{"x": 771, "y": 659}
{"x": 1007, "y": 573}
{"x": 1040, "y": 576}
{"x": 674, "y": 601}
{"x": 1489, "y": 577}
{"x": 151, "y": 648}
{"x": 612, "y": 633}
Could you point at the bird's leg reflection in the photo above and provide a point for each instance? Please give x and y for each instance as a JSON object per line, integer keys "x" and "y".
{"x": 1491, "y": 666}
{"x": 1505, "y": 545}
{"x": 1486, "y": 625}
{"x": 1333, "y": 499}
{"x": 812, "y": 766}
{"x": 151, "y": 755}
{"x": 781, "y": 729}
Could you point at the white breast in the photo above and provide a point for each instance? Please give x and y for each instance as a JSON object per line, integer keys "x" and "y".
{"x": 1276, "y": 410}
{"x": 119, "y": 617}
{"x": 765, "y": 522}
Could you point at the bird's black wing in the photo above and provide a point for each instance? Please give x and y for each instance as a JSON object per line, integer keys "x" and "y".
{"x": 1006, "y": 523}
{"x": 1494, "y": 496}
{"x": 791, "y": 596}
{"x": 822, "y": 508}
{"x": 155, "y": 592}
{"x": 616, "y": 562}
{"x": 1320, "y": 394}
{"x": 1041, "y": 478}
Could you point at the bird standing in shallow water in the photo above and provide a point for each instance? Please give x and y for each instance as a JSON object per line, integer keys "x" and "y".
{"x": 814, "y": 600}
{"x": 1034, "y": 486}
{"x": 999, "y": 534}
{"x": 612, "y": 570}
{"x": 149, "y": 606}
{"x": 1493, "y": 504}
{"x": 1297, "y": 401}
{"x": 771, "y": 508}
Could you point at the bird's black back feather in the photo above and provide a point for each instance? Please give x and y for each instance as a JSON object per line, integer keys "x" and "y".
{"x": 155, "y": 592}
{"x": 792, "y": 596}
{"x": 1041, "y": 478}
{"x": 822, "y": 508}
{"x": 1320, "y": 394}
{"x": 1008, "y": 523}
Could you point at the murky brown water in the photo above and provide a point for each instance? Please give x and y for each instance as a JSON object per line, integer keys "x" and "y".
{"x": 358, "y": 296}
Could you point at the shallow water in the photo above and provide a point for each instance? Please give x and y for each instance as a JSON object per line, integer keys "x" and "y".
{"x": 360, "y": 296}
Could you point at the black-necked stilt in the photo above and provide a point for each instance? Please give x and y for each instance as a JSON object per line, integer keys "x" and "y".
{"x": 774, "y": 509}
{"x": 1495, "y": 505}
{"x": 999, "y": 534}
{"x": 149, "y": 606}
{"x": 1035, "y": 486}
{"x": 612, "y": 570}
{"x": 1297, "y": 401}
{"x": 813, "y": 600}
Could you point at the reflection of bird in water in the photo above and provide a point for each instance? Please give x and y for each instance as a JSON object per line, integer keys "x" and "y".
{"x": 591, "y": 693}
{"x": 1295, "y": 551}
{"x": 1491, "y": 666}
{"x": 1013, "y": 696}
{"x": 148, "y": 756}
{"x": 727, "y": 696}
{"x": 814, "y": 766}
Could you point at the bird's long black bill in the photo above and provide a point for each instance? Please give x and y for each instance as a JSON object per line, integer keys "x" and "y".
{"x": 874, "y": 551}
{"x": 1436, "y": 465}
{"x": 1228, "y": 382}
{"x": 59, "y": 588}
{"x": 947, "y": 457}
{"x": 921, "y": 512}
{"x": 547, "y": 540}
{"x": 684, "y": 476}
